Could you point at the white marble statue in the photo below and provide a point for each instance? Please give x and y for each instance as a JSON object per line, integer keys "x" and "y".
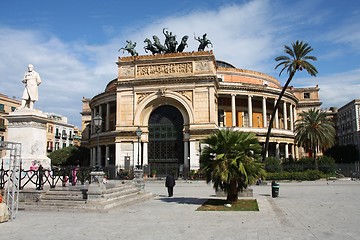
{"x": 32, "y": 81}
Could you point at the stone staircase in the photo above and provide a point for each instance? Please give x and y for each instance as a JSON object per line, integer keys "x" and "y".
{"x": 74, "y": 198}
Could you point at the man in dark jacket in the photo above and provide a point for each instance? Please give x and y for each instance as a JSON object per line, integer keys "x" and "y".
{"x": 170, "y": 183}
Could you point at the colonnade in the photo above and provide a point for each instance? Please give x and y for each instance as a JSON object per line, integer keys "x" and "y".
{"x": 265, "y": 119}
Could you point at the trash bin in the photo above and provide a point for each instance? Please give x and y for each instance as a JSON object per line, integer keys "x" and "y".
{"x": 274, "y": 189}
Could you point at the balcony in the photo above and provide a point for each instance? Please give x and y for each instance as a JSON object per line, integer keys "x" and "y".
{"x": 57, "y": 135}
{"x": 64, "y": 136}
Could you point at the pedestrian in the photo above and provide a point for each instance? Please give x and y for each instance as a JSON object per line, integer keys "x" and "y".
{"x": 170, "y": 183}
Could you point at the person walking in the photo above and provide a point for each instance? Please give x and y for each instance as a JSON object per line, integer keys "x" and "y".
{"x": 170, "y": 183}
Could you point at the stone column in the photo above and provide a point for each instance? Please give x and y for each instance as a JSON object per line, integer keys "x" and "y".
{"x": 233, "y": 109}
{"x": 277, "y": 151}
{"x": 145, "y": 152}
{"x": 93, "y": 114}
{"x": 186, "y": 156}
{"x": 250, "y": 110}
{"x": 291, "y": 118}
{"x": 107, "y": 123}
{"x": 95, "y": 154}
{"x": 98, "y": 155}
{"x": 293, "y": 151}
{"x": 276, "y": 116}
{"x": 92, "y": 157}
{"x": 100, "y": 114}
{"x": 264, "y": 112}
{"x": 286, "y": 150}
{"x": 213, "y": 116}
{"x": 107, "y": 156}
{"x": 285, "y": 116}
{"x": 296, "y": 151}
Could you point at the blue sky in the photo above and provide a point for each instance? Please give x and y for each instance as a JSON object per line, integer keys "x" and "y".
{"x": 74, "y": 44}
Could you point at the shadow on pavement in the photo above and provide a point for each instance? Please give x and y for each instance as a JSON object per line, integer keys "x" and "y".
{"x": 183, "y": 200}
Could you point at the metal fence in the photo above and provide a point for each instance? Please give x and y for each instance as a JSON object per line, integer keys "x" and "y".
{"x": 59, "y": 176}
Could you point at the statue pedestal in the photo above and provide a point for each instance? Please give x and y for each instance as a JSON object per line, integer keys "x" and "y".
{"x": 139, "y": 179}
{"x": 97, "y": 187}
{"x": 28, "y": 127}
{"x": 4, "y": 213}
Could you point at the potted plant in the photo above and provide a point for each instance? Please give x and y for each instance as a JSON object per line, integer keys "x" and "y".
{"x": 153, "y": 173}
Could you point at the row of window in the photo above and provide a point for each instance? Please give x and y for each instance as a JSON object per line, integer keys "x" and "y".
{"x": 63, "y": 134}
{"x": 50, "y": 146}
{"x": 2, "y": 108}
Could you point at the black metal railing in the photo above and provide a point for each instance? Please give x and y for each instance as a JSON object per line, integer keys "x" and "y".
{"x": 59, "y": 176}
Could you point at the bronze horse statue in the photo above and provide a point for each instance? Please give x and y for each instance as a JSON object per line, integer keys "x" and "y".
{"x": 204, "y": 42}
{"x": 150, "y": 47}
{"x": 158, "y": 45}
{"x": 182, "y": 44}
{"x": 130, "y": 48}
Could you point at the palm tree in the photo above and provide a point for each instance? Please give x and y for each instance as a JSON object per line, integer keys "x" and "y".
{"x": 296, "y": 59}
{"x": 229, "y": 160}
{"x": 315, "y": 130}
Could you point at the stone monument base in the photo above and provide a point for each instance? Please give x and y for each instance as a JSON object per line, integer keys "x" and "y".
{"x": 248, "y": 192}
{"x": 97, "y": 187}
{"x": 28, "y": 127}
{"x": 4, "y": 213}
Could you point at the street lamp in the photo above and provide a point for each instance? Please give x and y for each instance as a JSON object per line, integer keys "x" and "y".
{"x": 97, "y": 122}
{"x": 138, "y": 134}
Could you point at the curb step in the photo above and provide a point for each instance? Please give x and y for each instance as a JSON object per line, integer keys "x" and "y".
{"x": 116, "y": 196}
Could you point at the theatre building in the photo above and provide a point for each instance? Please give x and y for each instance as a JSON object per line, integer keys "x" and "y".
{"x": 177, "y": 100}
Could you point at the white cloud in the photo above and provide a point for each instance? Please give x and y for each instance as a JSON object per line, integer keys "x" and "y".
{"x": 246, "y": 35}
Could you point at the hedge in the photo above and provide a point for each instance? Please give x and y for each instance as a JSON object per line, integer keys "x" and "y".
{"x": 308, "y": 175}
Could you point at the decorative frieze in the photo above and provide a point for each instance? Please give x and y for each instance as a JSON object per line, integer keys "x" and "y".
{"x": 164, "y": 69}
{"x": 141, "y": 96}
{"x": 127, "y": 71}
{"x": 186, "y": 94}
{"x": 27, "y": 123}
{"x": 202, "y": 66}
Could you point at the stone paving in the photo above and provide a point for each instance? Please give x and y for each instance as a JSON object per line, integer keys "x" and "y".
{"x": 303, "y": 210}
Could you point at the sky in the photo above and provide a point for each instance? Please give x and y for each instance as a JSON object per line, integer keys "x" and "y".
{"x": 74, "y": 45}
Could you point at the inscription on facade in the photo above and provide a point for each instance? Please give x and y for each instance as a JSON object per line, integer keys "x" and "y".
{"x": 163, "y": 69}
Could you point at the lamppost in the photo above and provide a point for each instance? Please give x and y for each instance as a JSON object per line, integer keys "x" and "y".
{"x": 97, "y": 185}
{"x": 97, "y": 122}
{"x": 138, "y": 134}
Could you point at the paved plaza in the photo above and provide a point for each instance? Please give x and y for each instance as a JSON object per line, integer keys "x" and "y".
{"x": 303, "y": 210}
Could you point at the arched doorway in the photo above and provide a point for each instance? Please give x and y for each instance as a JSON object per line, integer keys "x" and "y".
{"x": 166, "y": 148}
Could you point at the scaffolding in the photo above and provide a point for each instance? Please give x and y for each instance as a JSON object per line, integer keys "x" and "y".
{"x": 12, "y": 186}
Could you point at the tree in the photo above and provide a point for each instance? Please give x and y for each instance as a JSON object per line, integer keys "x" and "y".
{"x": 71, "y": 155}
{"x": 295, "y": 60}
{"x": 314, "y": 129}
{"x": 229, "y": 160}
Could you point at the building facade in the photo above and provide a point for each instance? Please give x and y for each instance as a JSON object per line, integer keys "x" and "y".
{"x": 7, "y": 105}
{"x": 348, "y": 124}
{"x": 60, "y": 133}
{"x": 177, "y": 100}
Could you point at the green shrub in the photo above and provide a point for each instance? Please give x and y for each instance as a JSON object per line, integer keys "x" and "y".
{"x": 306, "y": 163}
{"x": 272, "y": 164}
{"x": 308, "y": 175}
{"x": 327, "y": 164}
